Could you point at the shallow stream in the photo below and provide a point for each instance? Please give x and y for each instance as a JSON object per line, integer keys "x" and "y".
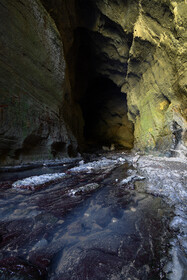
{"x": 91, "y": 224}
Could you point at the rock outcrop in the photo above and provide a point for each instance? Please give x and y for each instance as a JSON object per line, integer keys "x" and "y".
{"x": 32, "y": 70}
{"x": 157, "y": 78}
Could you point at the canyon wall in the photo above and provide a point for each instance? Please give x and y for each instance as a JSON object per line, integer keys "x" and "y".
{"x": 141, "y": 47}
{"x": 157, "y": 75}
{"x": 32, "y": 73}
{"x": 133, "y": 50}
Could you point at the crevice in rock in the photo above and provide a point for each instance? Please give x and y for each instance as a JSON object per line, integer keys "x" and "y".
{"x": 96, "y": 53}
{"x": 99, "y": 97}
{"x": 177, "y": 132}
{"x": 166, "y": 98}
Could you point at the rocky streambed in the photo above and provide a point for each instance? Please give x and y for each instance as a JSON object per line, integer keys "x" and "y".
{"x": 107, "y": 216}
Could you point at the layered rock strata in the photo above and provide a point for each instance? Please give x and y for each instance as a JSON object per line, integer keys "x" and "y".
{"x": 157, "y": 78}
{"x": 138, "y": 47}
{"x": 96, "y": 48}
{"x": 141, "y": 47}
{"x": 32, "y": 70}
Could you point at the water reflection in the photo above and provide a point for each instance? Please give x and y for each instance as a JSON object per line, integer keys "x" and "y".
{"x": 111, "y": 233}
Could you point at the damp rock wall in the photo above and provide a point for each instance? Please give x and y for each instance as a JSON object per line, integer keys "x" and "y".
{"x": 140, "y": 45}
{"x": 32, "y": 74}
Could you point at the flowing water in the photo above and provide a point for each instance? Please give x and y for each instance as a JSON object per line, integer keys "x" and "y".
{"x": 91, "y": 224}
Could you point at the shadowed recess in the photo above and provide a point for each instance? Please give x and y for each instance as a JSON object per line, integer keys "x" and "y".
{"x": 105, "y": 114}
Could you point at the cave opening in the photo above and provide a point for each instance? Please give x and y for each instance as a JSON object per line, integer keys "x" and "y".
{"x": 102, "y": 103}
{"x": 104, "y": 109}
{"x": 96, "y": 51}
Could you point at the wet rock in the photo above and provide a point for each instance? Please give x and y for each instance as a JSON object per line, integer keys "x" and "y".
{"x": 19, "y": 269}
{"x": 132, "y": 178}
{"x": 166, "y": 177}
{"x": 111, "y": 232}
{"x": 85, "y": 188}
{"x": 75, "y": 228}
{"x": 36, "y": 181}
{"x": 41, "y": 244}
{"x": 102, "y": 163}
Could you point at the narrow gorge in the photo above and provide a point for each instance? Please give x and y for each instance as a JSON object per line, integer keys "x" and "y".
{"x": 91, "y": 73}
{"x": 93, "y": 139}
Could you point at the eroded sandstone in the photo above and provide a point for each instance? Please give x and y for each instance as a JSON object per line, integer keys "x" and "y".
{"x": 141, "y": 47}
{"x": 136, "y": 47}
{"x": 32, "y": 70}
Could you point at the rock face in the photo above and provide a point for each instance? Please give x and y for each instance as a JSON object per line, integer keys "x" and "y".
{"x": 136, "y": 49}
{"x": 141, "y": 47}
{"x": 156, "y": 77}
{"x": 96, "y": 49}
{"x": 32, "y": 70}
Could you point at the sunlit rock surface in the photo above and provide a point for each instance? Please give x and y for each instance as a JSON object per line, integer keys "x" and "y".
{"x": 141, "y": 47}
{"x": 156, "y": 79}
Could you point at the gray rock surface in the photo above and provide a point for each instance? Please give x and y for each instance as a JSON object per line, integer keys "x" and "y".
{"x": 32, "y": 71}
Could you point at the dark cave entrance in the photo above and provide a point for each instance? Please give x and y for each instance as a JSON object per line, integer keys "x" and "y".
{"x": 96, "y": 51}
{"x": 103, "y": 105}
{"x": 104, "y": 109}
